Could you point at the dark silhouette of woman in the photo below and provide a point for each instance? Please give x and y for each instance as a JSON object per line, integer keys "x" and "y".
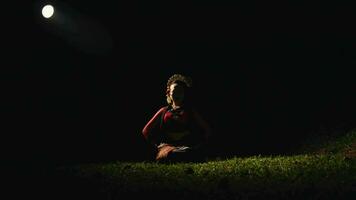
{"x": 177, "y": 131}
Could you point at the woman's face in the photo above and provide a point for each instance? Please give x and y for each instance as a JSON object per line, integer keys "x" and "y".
{"x": 176, "y": 93}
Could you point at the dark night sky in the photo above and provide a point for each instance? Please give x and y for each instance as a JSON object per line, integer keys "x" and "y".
{"x": 81, "y": 87}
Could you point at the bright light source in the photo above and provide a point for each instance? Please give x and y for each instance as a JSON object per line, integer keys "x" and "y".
{"x": 47, "y": 11}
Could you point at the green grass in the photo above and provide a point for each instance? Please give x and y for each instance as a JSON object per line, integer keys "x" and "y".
{"x": 329, "y": 175}
{"x": 329, "y": 144}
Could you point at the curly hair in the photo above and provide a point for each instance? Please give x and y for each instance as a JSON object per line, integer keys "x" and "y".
{"x": 177, "y": 78}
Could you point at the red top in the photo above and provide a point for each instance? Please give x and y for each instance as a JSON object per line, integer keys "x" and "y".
{"x": 176, "y": 124}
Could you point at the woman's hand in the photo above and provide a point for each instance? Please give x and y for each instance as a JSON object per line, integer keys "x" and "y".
{"x": 163, "y": 151}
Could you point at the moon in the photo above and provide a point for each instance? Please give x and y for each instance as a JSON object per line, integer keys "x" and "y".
{"x": 48, "y": 11}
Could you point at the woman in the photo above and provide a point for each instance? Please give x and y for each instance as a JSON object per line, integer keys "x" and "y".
{"x": 177, "y": 131}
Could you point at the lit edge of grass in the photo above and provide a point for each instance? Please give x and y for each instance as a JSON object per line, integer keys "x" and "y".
{"x": 331, "y": 172}
{"x": 280, "y": 173}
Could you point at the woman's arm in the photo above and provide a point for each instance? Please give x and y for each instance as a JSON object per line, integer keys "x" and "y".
{"x": 151, "y": 126}
{"x": 203, "y": 124}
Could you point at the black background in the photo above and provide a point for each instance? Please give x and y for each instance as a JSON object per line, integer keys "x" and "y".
{"x": 266, "y": 75}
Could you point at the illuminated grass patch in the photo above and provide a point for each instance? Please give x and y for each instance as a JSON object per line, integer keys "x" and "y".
{"x": 307, "y": 176}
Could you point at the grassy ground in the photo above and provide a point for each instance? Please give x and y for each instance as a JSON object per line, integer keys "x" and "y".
{"x": 326, "y": 170}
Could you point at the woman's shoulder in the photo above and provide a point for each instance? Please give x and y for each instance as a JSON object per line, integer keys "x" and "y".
{"x": 163, "y": 109}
